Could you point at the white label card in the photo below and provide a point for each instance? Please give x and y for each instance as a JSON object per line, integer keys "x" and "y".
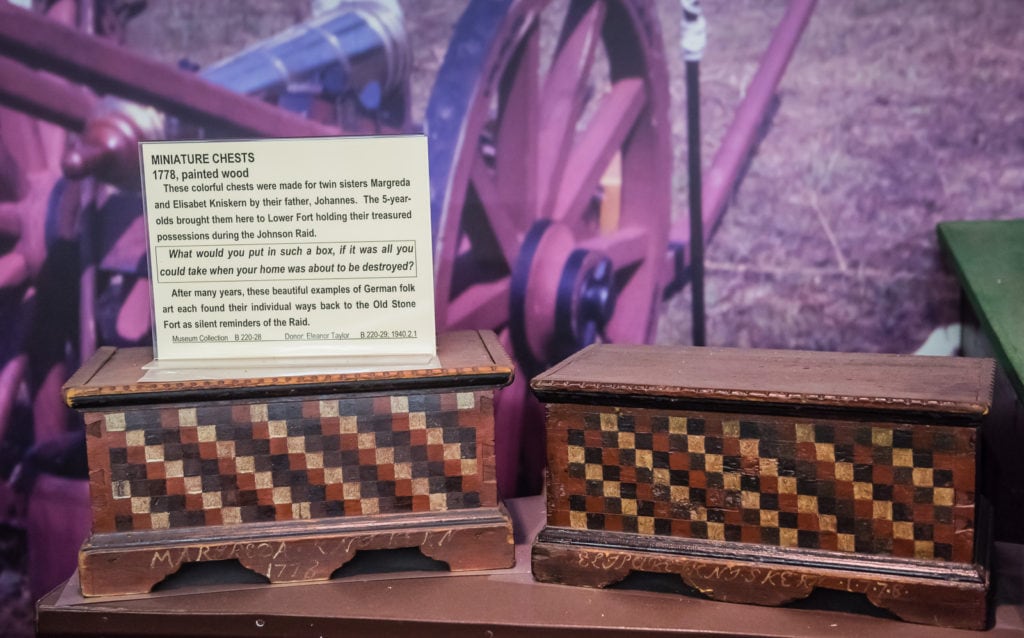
{"x": 290, "y": 247}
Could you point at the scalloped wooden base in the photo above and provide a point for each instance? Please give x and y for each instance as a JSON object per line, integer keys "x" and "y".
{"x": 927, "y": 592}
{"x": 132, "y": 563}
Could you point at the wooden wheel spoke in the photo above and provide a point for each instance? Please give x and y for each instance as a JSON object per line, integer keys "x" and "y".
{"x": 565, "y": 93}
{"x": 516, "y": 137}
{"x": 504, "y": 184}
{"x": 13, "y": 270}
{"x": 568, "y": 140}
{"x": 481, "y": 306}
{"x": 133, "y": 317}
{"x": 10, "y": 220}
{"x": 607, "y": 131}
{"x": 502, "y": 213}
{"x": 624, "y": 247}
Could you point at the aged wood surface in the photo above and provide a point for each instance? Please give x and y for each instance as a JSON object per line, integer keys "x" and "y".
{"x": 469, "y": 604}
{"x": 198, "y": 464}
{"x": 841, "y": 485}
{"x": 902, "y": 383}
{"x": 915, "y": 599}
{"x": 759, "y": 476}
{"x": 291, "y": 476}
{"x": 111, "y": 376}
{"x": 297, "y": 551}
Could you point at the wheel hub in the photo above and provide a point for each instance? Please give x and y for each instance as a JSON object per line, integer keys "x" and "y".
{"x": 566, "y": 292}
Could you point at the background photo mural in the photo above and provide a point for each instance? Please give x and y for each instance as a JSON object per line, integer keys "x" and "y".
{"x": 558, "y": 158}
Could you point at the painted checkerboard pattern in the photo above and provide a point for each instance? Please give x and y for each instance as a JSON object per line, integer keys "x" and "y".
{"x": 880, "y": 488}
{"x": 182, "y": 466}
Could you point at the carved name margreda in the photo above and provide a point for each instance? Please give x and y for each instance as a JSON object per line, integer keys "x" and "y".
{"x": 286, "y": 559}
{"x": 174, "y": 557}
{"x": 736, "y": 573}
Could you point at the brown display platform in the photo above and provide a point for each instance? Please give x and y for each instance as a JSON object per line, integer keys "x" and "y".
{"x": 759, "y": 476}
{"x": 290, "y": 476}
{"x": 499, "y": 603}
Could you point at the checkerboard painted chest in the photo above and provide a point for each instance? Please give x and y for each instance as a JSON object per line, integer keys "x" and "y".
{"x": 759, "y": 476}
{"x": 291, "y": 476}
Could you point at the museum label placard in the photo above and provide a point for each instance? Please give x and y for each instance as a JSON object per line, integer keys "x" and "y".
{"x": 317, "y": 247}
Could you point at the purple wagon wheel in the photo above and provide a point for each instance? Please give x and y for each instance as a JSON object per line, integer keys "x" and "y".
{"x": 551, "y": 174}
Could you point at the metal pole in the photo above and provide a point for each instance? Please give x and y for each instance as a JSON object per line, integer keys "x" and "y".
{"x": 696, "y": 210}
{"x": 720, "y": 180}
{"x": 694, "y": 41}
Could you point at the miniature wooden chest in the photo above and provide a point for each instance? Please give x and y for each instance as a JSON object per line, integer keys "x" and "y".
{"x": 759, "y": 476}
{"x": 291, "y": 475}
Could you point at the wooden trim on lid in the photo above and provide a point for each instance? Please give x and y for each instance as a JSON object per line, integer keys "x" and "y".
{"x": 875, "y": 382}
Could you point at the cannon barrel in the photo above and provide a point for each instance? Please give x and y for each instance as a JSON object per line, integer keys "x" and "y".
{"x": 358, "y": 48}
{"x": 44, "y": 44}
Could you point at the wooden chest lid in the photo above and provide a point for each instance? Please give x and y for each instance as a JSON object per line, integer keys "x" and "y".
{"x": 111, "y": 376}
{"x": 634, "y": 374}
